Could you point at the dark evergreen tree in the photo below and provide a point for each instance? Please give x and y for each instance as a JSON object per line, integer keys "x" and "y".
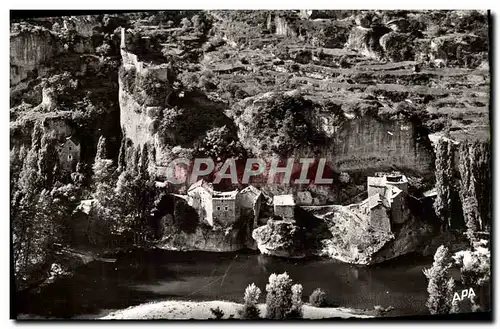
{"x": 440, "y": 295}
{"x": 444, "y": 181}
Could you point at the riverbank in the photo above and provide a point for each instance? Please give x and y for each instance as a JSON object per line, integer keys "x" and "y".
{"x": 184, "y": 310}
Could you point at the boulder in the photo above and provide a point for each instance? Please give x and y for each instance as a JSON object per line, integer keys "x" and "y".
{"x": 280, "y": 238}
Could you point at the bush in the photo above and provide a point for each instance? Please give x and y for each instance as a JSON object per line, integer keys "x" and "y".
{"x": 250, "y": 309}
{"x": 103, "y": 49}
{"x": 217, "y": 312}
{"x": 296, "y": 311}
{"x": 279, "y": 296}
{"x": 317, "y": 298}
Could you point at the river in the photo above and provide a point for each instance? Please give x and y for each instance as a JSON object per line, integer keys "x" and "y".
{"x": 145, "y": 276}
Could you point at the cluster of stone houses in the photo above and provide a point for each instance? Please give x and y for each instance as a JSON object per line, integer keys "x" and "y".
{"x": 224, "y": 208}
{"x": 384, "y": 207}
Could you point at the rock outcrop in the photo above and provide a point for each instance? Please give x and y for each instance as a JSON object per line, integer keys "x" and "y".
{"x": 459, "y": 49}
{"x": 204, "y": 239}
{"x": 29, "y": 49}
{"x": 280, "y": 238}
{"x": 346, "y": 236}
{"x": 365, "y": 40}
{"x": 386, "y": 143}
{"x": 398, "y": 46}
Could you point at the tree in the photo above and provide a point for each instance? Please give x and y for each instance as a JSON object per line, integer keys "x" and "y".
{"x": 279, "y": 296}
{"x": 296, "y": 309}
{"x": 186, "y": 23}
{"x": 475, "y": 185}
{"x": 250, "y": 309}
{"x": 27, "y": 225}
{"x": 450, "y": 288}
{"x": 440, "y": 296}
{"x": 444, "y": 181}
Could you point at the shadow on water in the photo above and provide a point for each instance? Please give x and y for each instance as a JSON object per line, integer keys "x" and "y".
{"x": 145, "y": 276}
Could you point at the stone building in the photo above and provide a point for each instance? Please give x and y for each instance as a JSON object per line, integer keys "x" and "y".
{"x": 284, "y": 206}
{"x": 224, "y": 208}
{"x": 392, "y": 188}
{"x": 377, "y": 209}
{"x": 69, "y": 154}
{"x": 200, "y": 198}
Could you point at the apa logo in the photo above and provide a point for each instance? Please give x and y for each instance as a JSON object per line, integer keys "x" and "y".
{"x": 465, "y": 293}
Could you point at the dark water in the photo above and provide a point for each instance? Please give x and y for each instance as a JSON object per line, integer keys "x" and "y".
{"x": 147, "y": 276}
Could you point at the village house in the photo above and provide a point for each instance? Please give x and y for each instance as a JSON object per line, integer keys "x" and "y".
{"x": 225, "y": 206}
{"x": 392, "y": 189}
{"x": 376, "y": 209}
{"x": 284, "y": 206}
{"x": 69, "y": 154}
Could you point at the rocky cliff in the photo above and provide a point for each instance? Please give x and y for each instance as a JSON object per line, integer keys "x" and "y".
{"x": 363, "y": 91}
{"x": 29, "y": 49}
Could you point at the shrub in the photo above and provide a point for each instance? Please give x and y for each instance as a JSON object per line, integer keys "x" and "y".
{"x": 279, "y": 296}
{"x": 217, "y": 312}
{"x": 103, "y": 49}
{"x": 317, "y": 298}
{"x": 250, "y": 309}
{"x": 296, "y": 310}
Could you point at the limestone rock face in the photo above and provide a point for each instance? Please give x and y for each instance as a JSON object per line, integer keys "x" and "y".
{"x": 412, "y": 237}
{"x": 346, "y": 236}
{"x": 398, "y": 46}
{"x": 279, "y": 25}
{"x": 341, "y": 233}
{"x": 365, "y": 40}
{"x": 280, "y": 238}
{"x": 459, "y": 49}
{"x": 204, "y": 239}
{"x": 28, "y": 50}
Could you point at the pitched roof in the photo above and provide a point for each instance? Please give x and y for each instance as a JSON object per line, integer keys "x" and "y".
{"x": 225, "y": 195}
{"x": 73, "y": 140}
{"x": 202, "y": 183}
{"x": 251, "y": 189}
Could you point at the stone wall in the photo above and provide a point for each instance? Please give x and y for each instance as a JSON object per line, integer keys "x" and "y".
{"x": 284, "y": 211}
{"x": 379, "y": 218}
{"x": 225, "y": 211}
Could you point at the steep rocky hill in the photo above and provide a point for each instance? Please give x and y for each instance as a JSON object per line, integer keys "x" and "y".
{"x": 368, "y": 91}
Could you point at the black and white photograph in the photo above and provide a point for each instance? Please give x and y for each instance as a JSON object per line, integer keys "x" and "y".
{"x": 250, "y": 165}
